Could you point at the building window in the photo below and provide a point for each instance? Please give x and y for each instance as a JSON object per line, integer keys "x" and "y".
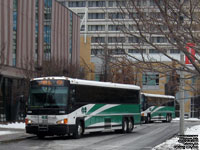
{"x": 136, "y": 15}
{"x": 47, "y": 16}
{"x": 96, "y": 51}
{"x": 15, "y": 21}
{"x": 47, "y": 28}
{"x": 96, "y": 28}
{"x": 96, "y": 16}
{"x": 174, "y": 51}
{"x": 48, "y": 3}
{"x": 96, "y": 4}
{"x": 156, "y": 2}
{"x": 117, "y": 3}
{"x": 116, "y": 16}
{"x": 116, "y": 27}
{"x": 156, "y": 15}
{"x": 137, "y": 51}
{"x": 97, "y": 77}
{"x": 111, "y": 3}
{"x": 15, "y": 9}
{"x": 83, "y": 28}
{"x": 133, "y": 28}
{"x": 77, "y": 3}
{"x": 158, "y": 40}
{"x": 70, "y": 36}
{"x": 134, "y": 40}
{"x": 81, "y": 15}
{"x": 121, "y": 3}
{"x": 36, "y": 30}
{"x": 150, "y": 79}
{"x": 98, "y": 40}
{"x": 117, "y": 52}
{"x": 116, "y": 39}
{"x": 154, "y": 51}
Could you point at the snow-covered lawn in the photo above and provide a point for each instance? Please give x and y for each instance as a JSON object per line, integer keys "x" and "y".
{"x": 7, "y": 132}
{"x": 13, "y": 125}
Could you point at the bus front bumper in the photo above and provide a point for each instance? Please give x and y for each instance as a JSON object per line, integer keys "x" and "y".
{"x": 50, "y": 129}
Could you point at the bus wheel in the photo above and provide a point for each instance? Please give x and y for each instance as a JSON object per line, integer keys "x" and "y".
{"x": 79, "y": 130}
{"x": 148, "y": 119}
{"x": 167, "y": 118}
{"x": 124, "y": 126}
{"x": 170, "y": 118}
{"x": 130, "y": 125}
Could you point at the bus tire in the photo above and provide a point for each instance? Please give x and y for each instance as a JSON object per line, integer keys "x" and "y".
{"x": 148, "y": 119}
{"x": 167, "y": 118}
{"x": 125, "y": 125}
{"x": 79, "y": 130}
{"x": 170, "y": 118}
{"x": 130, "y": 125}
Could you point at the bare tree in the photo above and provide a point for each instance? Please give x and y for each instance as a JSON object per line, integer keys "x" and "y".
{"x": 161, "y": 28}
{"x": 124, "y": 72}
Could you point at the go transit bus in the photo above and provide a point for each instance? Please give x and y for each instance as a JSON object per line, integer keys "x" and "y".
{"x": 155, "y": 107}
{"x": 61, "y": 105}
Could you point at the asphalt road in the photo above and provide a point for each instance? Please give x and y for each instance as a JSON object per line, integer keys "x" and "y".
{"x": 143, "y": 137}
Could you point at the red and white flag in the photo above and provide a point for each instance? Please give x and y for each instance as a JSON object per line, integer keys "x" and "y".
{"x": 191, "y": 51}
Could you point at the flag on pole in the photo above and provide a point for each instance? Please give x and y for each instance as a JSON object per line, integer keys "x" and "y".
{"x": 191, "y": 52}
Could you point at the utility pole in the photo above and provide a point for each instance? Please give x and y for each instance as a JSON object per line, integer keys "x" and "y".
{"x": 181, "y": 88}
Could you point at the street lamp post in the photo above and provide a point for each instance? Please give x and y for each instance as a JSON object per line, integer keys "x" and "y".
{"x": 182, "y": 101}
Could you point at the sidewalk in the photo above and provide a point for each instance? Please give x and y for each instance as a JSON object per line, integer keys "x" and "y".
{"x": 9, "y": 135}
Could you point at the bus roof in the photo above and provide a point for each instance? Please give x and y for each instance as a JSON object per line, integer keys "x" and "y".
{"x": 90, "y": 82}
{"x": 158, "y": 95}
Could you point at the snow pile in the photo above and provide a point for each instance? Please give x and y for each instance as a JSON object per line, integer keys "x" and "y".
{"x": 189, "y": 119}
{"x": 13, "y": 125}
{"x": 174, "y": 142}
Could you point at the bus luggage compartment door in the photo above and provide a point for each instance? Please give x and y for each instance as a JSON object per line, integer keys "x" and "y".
{"x": 107, "y": 123}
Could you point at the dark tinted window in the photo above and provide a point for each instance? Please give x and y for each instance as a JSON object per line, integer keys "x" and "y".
{"x": 157, "y": 101}
{"x": 91, "y": 94}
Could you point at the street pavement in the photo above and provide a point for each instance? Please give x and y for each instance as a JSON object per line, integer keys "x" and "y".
{"x": 20, "y": 134}
{"x": 12, "y": 135}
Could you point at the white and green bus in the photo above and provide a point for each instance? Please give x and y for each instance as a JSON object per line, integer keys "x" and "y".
{"x": 155, "y": 107}
{"x": 62, "y": 105}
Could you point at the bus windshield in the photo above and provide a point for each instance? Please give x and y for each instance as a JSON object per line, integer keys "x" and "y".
{"x": 48, "y": 95}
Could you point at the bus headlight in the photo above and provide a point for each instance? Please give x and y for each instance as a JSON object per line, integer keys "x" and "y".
{"x": 28, "y": 121}
{"x": 64, "y": 121}
{"x": 142, "y": 114}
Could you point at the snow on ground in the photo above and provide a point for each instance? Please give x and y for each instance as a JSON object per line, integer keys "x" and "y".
{"x": 7, "y": 132}
{"x": 173, "y": 143}
{"x": 13, "y": 125}
{"x": 189, "y": 119}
